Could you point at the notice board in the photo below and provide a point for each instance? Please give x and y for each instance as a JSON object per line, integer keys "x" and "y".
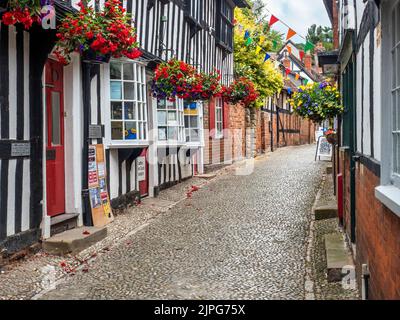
{"x": 98, "y": 193}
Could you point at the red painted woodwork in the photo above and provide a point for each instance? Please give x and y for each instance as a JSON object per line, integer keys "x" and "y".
{"x": 225, "y": 115}
{"x": 144, "y": 185}
{"x": 55, "y": 174}
{"x": 211, "y": 117}
{"x": 340, "y": 196}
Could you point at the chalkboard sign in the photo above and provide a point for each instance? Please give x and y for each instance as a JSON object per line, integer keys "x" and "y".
{"x": 324, "y": 149}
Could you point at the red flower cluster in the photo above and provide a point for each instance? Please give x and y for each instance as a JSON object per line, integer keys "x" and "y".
{"x": 177, "y": 79}
{"x": 242, "y": 91}
{"x": 106, "y": 33}
{"x": 20, "y": 15}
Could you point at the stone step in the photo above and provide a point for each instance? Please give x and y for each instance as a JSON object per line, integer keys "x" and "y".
{"x": 337, "y": 257}
{"x": 73, "y": 241}
{"x": 325, "y": 212}
{"x": 206, "y": 176}
{"x": 63, "y": 223}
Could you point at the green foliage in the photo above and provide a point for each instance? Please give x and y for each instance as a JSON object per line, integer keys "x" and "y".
{"x": 321, "y": 34}
{"x": 248, "y": 62}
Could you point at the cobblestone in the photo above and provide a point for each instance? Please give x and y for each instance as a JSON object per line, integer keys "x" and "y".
{"x": 238, "y": 237}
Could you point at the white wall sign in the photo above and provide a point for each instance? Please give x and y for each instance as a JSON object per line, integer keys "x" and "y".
{"x": 141, "y": 168}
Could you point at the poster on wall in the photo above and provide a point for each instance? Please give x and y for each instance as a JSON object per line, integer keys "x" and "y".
{"x": 141, "y": 168}
{"x": 99, "y": 198}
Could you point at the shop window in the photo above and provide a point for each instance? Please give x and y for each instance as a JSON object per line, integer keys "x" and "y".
{"x": 192, "y": 122}
{"x": 219, "y": 118}
{"x": 170, "y": 120}
{"x": 128, "y": 101}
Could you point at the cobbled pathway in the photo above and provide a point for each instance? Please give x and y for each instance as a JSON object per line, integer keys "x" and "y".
{"x": 238, "y": 237}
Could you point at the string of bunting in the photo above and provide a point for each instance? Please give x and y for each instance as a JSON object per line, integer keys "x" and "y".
{"x": 290, "y": 34}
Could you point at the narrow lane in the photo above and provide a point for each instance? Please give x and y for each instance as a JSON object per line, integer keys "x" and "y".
{"x": 240, "y": 237}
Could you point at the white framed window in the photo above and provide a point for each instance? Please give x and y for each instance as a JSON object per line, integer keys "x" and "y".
{"x": 192, "y": 121}
{"x": 395, "y": 93}
{"x": 128, "y": 107}
{"x": 219, "y": 119}
{"x": 389, "y": 190}
{"x": 170, "y": 120}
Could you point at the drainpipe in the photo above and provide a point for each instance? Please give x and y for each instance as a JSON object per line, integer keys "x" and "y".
{"x": 87, "y": 212}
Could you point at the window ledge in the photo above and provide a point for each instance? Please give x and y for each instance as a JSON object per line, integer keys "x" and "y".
{"x": 390, "y": 197}
{"x": 127, "y": 144}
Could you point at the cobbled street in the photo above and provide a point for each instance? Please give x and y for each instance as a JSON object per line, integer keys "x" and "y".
{"x": 240, "y": 237}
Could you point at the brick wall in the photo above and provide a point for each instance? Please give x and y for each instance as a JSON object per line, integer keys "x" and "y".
{"x": 378, "y": 238}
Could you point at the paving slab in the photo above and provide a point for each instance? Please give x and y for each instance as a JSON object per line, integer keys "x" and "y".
{"x": 74, "y": 241}
{"x": 337, "y": 256}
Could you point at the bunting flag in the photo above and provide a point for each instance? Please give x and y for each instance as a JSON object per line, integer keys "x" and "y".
{"x": 309, "y": 46}
{"x": 247, "y": 34}
{"x": 288, "y": 71}
{"x": 274, "y": 44}
{"x": 305, "y": 81}
{"x": 301, "y": 55}
{"x": 273, "y": 20}
{"x": 258, "y": 49}
{"x": 297, "y": 76}
{"x": 267, "y": 57}
{"x": 262, "y": 39}
{"x": 289, "y": 49}
{"x": 291, "y": 33}
{"x": 289, "y": 90}
{"x": 249, "y": 41}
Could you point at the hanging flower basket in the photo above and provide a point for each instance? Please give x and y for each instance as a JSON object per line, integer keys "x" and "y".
{"x": 173, "y": 79}
{"x": 331, "y": 136}
{"x": 25, "y": 12}
{"x": 241, "y": 91}
{"x": 317, "y": 102}
{"x": 206, "y": 86}
{"x": 97, "y": 36}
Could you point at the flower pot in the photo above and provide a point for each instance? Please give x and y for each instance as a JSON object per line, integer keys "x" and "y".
{"x": 331, "y": 138}
{"x": 92, "y": 57}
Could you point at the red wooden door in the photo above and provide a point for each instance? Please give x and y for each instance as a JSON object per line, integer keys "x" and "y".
{"x": 55, "y": 174}
{"x": 143, "y": 173}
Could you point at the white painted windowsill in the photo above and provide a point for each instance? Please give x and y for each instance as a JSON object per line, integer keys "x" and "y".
{"x": 390, "y": 197}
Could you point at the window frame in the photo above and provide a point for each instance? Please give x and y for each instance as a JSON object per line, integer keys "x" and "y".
{"x": 180, "y": 124}
{"x": 225, "y": 38}
{"x": 189, "y": 127}
{"x": 140, "y": 106}
{"x": 388, "y": 192}
{"x": 219, "y": 105}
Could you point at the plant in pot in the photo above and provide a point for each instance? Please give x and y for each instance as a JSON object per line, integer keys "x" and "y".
{"x": 206, "y": 86}
{"x": 241, "y": 91}
{"x": 331, "y": 136}
{"x": 174, "y": 79}
{"x": 25, "y": 12}
{"x": 317, "y": 102}
{"x": 97, "y": 36}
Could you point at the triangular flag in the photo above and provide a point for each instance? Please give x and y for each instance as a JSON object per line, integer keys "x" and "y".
{"x": 288, "y": 71}
{"x": 274, "y": 44}
{"x": 309, "y": 46}
{"x": 249, "y": 41}
{"x": 301, "y": 55}
{"x": 273, "y": 20}
{"x": 291, "y": 33}
{"x": 267, "y": 57}
{"x": 305, "y": 81}
{"x": 289, "y": 90}
{"x": 246, "y": 34}
{"x": 289, "y": 49}
{"x": 262, "y": 39}
{"x": 258, "y": 49}
{"x": 297, "y": 76}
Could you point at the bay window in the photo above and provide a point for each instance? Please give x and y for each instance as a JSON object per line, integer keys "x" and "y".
{"x": 128, "y": 105}
{"x": 170, "y": 120}
{"x": 192, "y": 122}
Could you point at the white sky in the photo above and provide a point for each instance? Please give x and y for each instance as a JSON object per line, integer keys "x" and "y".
{"x": 298, "y": 14}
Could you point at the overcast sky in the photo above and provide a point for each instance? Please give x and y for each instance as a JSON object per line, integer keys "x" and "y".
{"x": 298, "y": 14}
